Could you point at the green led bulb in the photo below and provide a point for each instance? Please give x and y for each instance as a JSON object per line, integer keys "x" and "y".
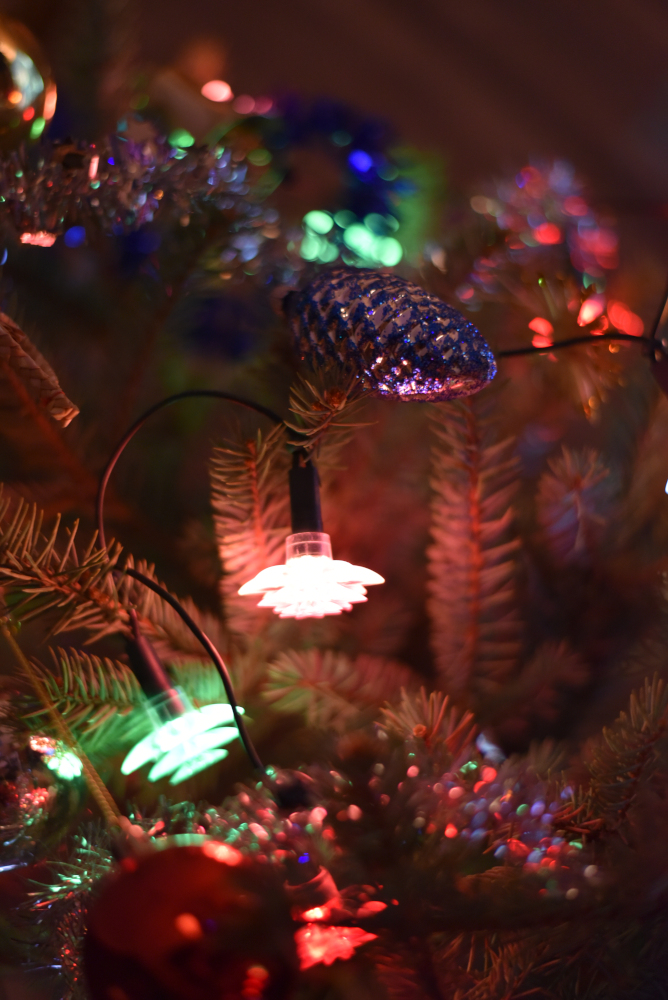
{"x": 184, "y": 744}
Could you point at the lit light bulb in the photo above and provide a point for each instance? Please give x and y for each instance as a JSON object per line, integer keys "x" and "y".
{"x": 311, "y": 584}
{"x": 218, "y": 91}
{"x": 591, "y": 309}
{"x": 39, "y": 239}
{"x": 184, "y": 745}
{"x": 57, "y": 757}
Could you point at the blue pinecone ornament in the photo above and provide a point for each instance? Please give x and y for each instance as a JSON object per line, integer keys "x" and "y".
{"x": 399, "y": 339}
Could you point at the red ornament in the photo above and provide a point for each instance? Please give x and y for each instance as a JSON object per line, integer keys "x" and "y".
{"x": 191, "y": 923}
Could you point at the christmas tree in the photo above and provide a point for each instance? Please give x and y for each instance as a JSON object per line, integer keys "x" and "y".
{"x": 448, "y": 785}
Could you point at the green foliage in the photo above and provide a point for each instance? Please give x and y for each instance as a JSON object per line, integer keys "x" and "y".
{"x": 476, "y": 628}
{"x": 571, "y": 501}
{"x": 321, "y": 415}
{"x": 249, "y": 490}
{"x": 96, "y": 697}
{"x": 432, "y": 719}
{"x": 44, "y": 575}
{"x": 330, "y": 689}
{"x": 627, "y": 752}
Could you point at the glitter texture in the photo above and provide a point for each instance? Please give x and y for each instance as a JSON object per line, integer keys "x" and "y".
{"x": 118, "y": 185}
{"x": 398, "y": 338}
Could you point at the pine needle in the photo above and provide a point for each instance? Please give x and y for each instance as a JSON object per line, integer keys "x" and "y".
{"x": 432, "y": 719}
{"x": 330, "y": 689}
{"x": 249, "y": 483}
{"x": 571, "y": 504}
{"x": 476, "y": 633}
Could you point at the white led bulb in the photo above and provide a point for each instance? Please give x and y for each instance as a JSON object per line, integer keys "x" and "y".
{"x": 311, "y": 584}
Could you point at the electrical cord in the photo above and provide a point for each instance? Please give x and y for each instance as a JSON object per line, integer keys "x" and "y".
{"x": 591, "y": 339}
{"x": 201, "y": 636}
{"x": 572, "y": 342}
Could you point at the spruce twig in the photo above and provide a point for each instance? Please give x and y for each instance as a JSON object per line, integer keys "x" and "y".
{"x": 329, "y": 688}
{"x": 250, "y": 502}
{"x": 97, "y": 788}
{"x": 476, "y": 629}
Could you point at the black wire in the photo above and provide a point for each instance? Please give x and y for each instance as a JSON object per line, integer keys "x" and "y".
{"x": 201, "y": 636}
{"x": 572, "y": 342}
{"x": 140, "y": 421}
{"x": 213, "y": 653}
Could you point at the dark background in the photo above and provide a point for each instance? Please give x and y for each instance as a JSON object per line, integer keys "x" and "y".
{"x": 483, "y": 82}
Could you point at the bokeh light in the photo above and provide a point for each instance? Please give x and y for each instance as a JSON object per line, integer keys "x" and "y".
{"x": 218, "y": 91}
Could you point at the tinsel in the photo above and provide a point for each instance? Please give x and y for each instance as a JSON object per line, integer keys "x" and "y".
{"x": 119, "y": 185}
{"x": 377, "y": 841}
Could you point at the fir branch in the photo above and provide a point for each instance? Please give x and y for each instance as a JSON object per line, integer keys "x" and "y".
{"x": 321, "y": 416}
{"x": 571, "y": 500}
{"x": 39, "y": 575}
{"x": 200, "y": 680}
{"x": 251, "y": 515}
{"x": 86, "y": 690}
{"x": 627, "y": 752}
{"x": 476, "y": 626}
{"x": 21, "y": 359}
{"x": 432, "y": 719}
{"x": 44, "y": 574}
{"x": 330, "y": 689}
{"x": 538, "y": 697}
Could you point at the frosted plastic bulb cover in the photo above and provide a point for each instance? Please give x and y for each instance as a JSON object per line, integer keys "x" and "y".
{"x": 173, "y": 744}
{"x": 311, "y": 584}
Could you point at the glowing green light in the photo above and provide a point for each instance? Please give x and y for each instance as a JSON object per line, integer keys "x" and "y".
{"x": 181, "y": 137}
{"x": 376, "y": 223}
{"x": 64, "y": 763}
{"x": 328, "y": 252}
{"x": 319, "y": 222}
{"x": 389, "y": 251}
{"x": 344, "y": 218}
{"x": 383, "y": 250}
{"x": 311, "y": 246}
{"x": 360, "y": 239}
{"x": 260, "y": 157}
{"x": 521, "y": 810}
{"x": 37, "y": 128}
{"x": 178, "y": 735}
{"x": 190, "y": 749}
{"x": 197, "y": 764}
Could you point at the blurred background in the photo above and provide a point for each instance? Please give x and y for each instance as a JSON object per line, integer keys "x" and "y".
{"x": 483, "y": 84}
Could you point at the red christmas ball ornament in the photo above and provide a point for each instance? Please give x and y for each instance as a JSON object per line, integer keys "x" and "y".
{"x": 191, "y": 923}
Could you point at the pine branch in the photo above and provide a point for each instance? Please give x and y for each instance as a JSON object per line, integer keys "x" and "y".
{"x": 476, "y": 627}
{"x": 44, "y": 574}
{"x": 330, "y": 689}
{"x": 431, "y": 719}
{"x": 251, "y": 516}
{"x": 200, "y": 681}
{"x": 89, "y": 692}
{"x": 322, "y": 416}
{"x": 537, "y": 698}
{"x": 627, "y": 753}
{"x": 38, "y": 575}
{"x": 571, "y": 501}
{"x": 20, "y": 358}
